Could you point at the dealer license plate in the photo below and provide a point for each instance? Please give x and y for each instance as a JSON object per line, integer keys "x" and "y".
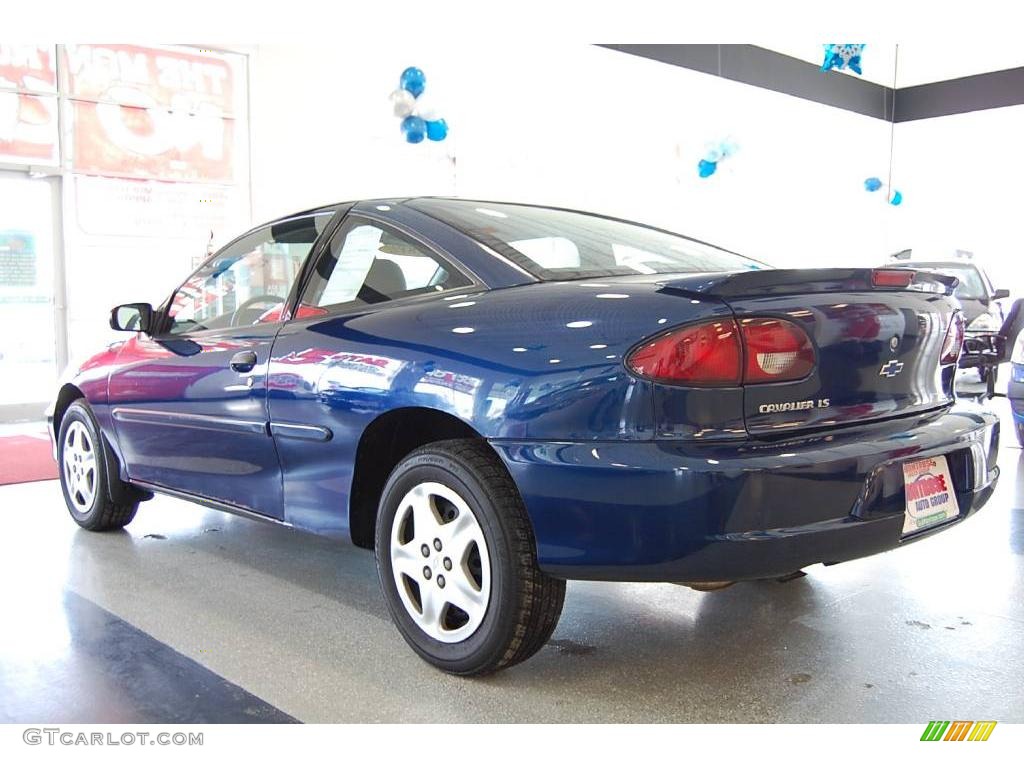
{"x": 931, "y": 499}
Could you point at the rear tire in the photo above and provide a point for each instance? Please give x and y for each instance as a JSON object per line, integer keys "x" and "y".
{"x": 82, "y": 460}
{"x": 457, "y": 561}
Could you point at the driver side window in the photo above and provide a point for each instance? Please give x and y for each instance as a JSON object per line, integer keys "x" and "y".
{"x": 248, "y": 282}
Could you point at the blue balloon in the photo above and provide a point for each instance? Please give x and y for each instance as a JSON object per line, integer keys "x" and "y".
{"x": 414, "y": 128}
{"x": 843, "y": 56}
{"x": 873, "y": 184}
{"x": 897, "y": 197}
{"x": 437, "y": 130}
{"x": 413, "y": 80}
{"x": 705, "y": 168}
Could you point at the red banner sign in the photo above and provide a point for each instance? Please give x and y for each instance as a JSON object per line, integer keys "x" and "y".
{"x": 28, "y": 122}
{"x": 151, "y": 113}
{"x": 151, "y": 77}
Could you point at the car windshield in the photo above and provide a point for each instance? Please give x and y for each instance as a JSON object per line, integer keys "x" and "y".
{"x": 970, "y": 286}
{"x": 554, "y": 244}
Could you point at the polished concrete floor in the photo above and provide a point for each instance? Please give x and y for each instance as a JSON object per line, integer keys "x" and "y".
{"x": 194, "y": 615}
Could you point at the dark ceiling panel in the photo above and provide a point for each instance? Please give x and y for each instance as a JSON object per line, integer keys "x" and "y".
{"x": 777, "y": 72}
{"x": 965, "y": 94}
{"x": 773, "y": 71}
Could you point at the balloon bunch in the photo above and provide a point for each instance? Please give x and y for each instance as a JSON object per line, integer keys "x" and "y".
{"x": 843, "y": 56}
{"x": 873, "y": 184}
{"x": 714, "y": 153}
{"x": 420, "y": 116}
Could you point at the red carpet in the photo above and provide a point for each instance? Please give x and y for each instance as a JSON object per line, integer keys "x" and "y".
{"x": 25, "y": 458}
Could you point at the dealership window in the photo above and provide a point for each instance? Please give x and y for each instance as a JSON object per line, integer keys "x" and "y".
{"x": 115, "y": 160}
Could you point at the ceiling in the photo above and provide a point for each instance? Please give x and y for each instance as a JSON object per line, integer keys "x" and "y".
{"x": 918, "y": 63}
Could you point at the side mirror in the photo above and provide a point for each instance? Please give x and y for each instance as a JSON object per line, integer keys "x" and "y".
{"x": 1002, "y": 293}
{"x": 132, "y": 317}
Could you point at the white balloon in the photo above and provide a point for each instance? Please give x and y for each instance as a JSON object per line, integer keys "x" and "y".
{"x": 427, "y": 108}
{"x": 402, "y": 102}
{"x": 712, "y": 153}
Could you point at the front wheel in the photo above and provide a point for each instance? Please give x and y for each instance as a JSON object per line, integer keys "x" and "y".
{"x": 457, "y": 562}
{"x": 83, "y": 473}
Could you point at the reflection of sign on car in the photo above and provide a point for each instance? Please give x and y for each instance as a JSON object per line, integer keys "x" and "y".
{"x": 347, "y": 370}
{"x": 457, "y": 389}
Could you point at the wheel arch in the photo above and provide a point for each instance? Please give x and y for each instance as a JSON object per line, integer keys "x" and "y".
{"x": 120, "y": 491}
{"x": 65, "y": 397}
{"x": 385, "y": 441}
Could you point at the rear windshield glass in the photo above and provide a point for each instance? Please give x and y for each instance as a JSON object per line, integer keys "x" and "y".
{"x": 565, "y": 245}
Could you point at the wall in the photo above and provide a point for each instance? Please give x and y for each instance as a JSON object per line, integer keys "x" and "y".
{"x": 579, "y": 126}
{"x": 962, "y": 176}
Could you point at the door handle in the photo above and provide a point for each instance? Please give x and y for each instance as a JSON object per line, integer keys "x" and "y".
{"x": 243, "y": 362}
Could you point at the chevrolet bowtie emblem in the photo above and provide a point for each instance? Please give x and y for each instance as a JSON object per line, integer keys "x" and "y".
{"x": 891, "y": 369}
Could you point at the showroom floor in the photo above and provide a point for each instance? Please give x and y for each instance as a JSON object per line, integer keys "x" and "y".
{"x": 196, "y": 616}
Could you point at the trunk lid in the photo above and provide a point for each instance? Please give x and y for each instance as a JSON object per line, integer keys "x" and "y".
{"x": 877, "y": 348}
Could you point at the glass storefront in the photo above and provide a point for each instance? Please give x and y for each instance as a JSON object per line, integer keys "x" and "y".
{"x": 27, "y": 341}
{"x": 120, "y": 166}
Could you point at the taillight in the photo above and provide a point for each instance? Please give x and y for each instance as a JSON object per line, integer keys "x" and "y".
{"x": 776, "y": 350}
{"x": 703, "y": 354}
{"x": 954, "y": 340}
{"x": 892, "y": 278}
{"x": 757, "y": 351}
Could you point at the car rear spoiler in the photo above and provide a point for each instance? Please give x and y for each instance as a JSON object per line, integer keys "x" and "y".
{"x": 784, "y": 281}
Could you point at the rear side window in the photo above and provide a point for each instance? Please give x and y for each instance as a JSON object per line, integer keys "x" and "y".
{"x": 559, "y": 245}
{"x": 369, "y": 264}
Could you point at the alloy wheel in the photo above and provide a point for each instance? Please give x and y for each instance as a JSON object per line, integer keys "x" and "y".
{"x": 79, "y": 468}
{"x": 440, "y": 562}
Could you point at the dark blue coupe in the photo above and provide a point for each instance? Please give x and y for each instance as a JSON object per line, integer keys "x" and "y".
{"x": 498, "y": 397}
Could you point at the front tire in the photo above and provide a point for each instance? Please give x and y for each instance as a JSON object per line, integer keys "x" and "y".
{"x": 83, "y": 466}
{"x": 457, "y": 561}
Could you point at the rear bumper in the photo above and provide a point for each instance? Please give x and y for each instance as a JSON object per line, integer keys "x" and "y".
{"x": 675, "y": 511}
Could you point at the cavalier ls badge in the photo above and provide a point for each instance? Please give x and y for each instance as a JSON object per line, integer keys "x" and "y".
{"x": 891, "y": 369}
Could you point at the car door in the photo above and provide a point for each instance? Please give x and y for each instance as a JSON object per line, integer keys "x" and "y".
{"x": 328, "y": 377}
{"x": 189, "y": 402}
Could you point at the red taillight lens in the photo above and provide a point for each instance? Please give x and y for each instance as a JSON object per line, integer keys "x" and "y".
{"x": 892, "y": 278}
{"x": 954, "y": 340}
{"x": 708, "y": 353}
{"x": 776, "y": 350}
{"x": 714, "y": 353}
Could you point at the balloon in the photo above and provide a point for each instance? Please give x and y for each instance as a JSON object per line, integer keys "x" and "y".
{"x": 842, "y": 56}
{"x": 712, "y": 153}
{"x": 895, "y": 197}
{"x": 427, "y": 108}
{"x": 715, "y": 153}
{"x": 414, "y": 129}
{"x": 413, "y": 80}
{"x": 402, "y": 102}
{"x": 437, "y": 130}
{"x": 873, "y": 184}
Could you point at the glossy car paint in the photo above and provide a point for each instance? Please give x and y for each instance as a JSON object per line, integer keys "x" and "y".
{"x": 185, "y": 420}
{"x": 979, "y": 346}
{"x": 622, "y": 477}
